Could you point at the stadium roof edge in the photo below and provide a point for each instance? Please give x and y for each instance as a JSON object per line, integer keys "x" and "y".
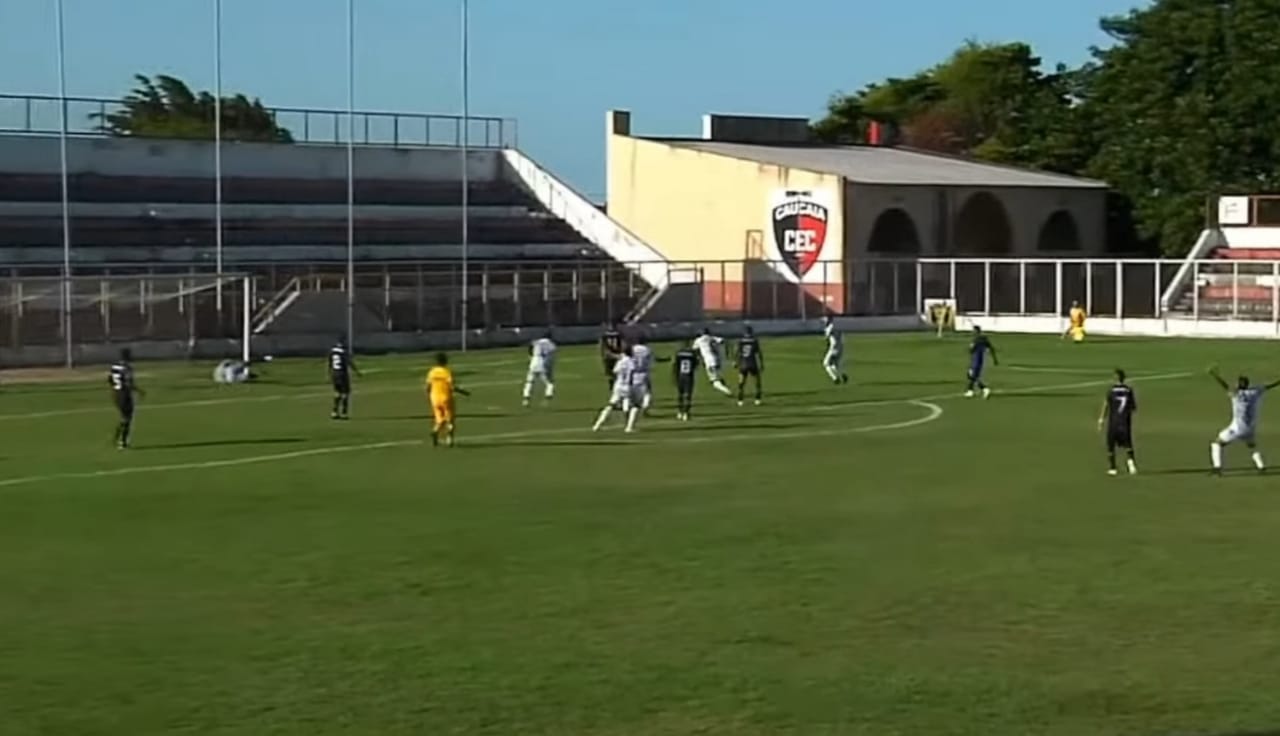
{"x": 884, "y": 165}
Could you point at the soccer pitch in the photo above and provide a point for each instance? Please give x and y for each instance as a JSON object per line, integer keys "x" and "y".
{"x": 879, "y": 558}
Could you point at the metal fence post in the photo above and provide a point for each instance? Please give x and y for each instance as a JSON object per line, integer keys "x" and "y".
{"x": 1057, "y": 290}
{"x": 419, "y": 309}
{"x": 546, "y": 293}
{"x": 1022, "y": 287}
{"x": 1195, "y": 290}
{"x": 897, "y": 287}
{"x": 1275, "y": 294}
{"x": 1159, "y": 309}
{"x": 1088, "y": 287}
{"x": 918, "y": 307}
{"x": 986, "y": 287}
{"x": 515, "y": 294}
{"x": 955, "y": 301}
{"x": 1119, "y": 289}
{"x": 1235, "y": 289}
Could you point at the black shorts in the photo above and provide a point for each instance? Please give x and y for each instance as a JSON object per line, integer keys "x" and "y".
{"x": 749, "y": 369}
{"x": 124, "y": 405}
{"x": 342, "y": 384}
{"x": 1120, "y": 436}
{"x": 684, "y": 386}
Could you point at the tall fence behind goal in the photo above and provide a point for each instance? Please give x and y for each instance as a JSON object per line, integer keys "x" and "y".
{"x": 157, "y": 309}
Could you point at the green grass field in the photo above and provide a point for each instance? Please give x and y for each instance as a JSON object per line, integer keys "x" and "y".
{"x": 882, "y": 558}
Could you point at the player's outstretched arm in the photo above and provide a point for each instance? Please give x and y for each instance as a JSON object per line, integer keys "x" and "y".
{"x": 1271, "y": 385}
{"x": 1106, "y": 408}
{"x": 1213, "y": 372}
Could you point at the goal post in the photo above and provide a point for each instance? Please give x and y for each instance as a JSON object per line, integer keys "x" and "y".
{"x": 174, "y": 312}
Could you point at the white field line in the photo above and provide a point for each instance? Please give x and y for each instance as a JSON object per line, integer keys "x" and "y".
{"x": 925, "y": 401}
{"x": 144, "y": 406}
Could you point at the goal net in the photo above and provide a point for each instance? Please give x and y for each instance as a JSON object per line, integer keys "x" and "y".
{"x": 205, "y": 310}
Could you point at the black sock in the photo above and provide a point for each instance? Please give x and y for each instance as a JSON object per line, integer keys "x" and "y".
{"x": 1111, "y": 460}
{"x": 346, "y": 404}
{"x": 123, "y": 433}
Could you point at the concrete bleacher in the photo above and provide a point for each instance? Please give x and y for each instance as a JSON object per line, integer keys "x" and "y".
{"x": 147, "y": 206}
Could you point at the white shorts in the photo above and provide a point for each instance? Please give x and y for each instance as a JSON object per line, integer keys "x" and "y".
{"x": 1235, "y": 433}
{"x": 542, "y": 373}
{"x": 833, "y": 357}
{"x": 713, "y": 372}
{"x": 625, "y": 397}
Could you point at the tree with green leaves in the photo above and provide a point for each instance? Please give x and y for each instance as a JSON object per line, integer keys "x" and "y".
{"x": 1186, "y": 105}
{"x": 165, "y": 107}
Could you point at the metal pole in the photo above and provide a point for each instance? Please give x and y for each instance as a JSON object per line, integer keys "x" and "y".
{"x": 466, "y": 114}
{"x": 246, "y": 327}
{"x": 217, "y": 150}
{"x": 66, "y": 188}
{"x": 351, "y": 174}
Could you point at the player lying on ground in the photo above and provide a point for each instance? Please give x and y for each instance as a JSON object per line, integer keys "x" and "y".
{"x": 1117, "y": 413}
{"x": 978, "y": 350}
{"x": 542, "y": 360}
{"x": 1245, "y": 402}
{"x": 440, "y": 390}
{"x": 123, "y": 391}
{"x": 341, "y": 366}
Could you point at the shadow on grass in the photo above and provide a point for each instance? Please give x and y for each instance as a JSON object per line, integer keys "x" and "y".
{"x": 479, "y": 444}
{"x": 222, "y": 443}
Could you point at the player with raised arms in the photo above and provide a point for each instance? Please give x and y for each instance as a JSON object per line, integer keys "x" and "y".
{"x": 978, "y": 350}
{"x": 750, "y": 365}
{"x": 1117, "y": 414}
{"x": 341, "y": 365}
{"x": 610, "y": 351}
{"x": 833, "y": 359}
{"x": 622, "y": 396}
{"x": 542, "y": 360}
{"x": 684, "y": 365}
{"x": 123, "y": 391}
{"x": 711, "y": 350}
{"x": 1246, "y": 400}
{"x": 440, "y": 391}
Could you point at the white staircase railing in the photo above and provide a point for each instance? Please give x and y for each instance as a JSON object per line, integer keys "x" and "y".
{"x": 1208, "y": 240}
{"x": 277, "y": 305}
{"x": 586, "y": 218}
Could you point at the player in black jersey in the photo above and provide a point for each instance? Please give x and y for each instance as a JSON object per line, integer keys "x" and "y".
{"x": 750, "y": 365}
{"x": 611, "y": 344}
{"x": 341, "y": 366}
{"x": 1117, "y": 414}
{"x": 685, "y": 366}
{"x": 123, "y": 389}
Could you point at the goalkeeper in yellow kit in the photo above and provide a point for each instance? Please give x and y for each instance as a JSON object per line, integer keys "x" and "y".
{"x": 1076, "y": 319}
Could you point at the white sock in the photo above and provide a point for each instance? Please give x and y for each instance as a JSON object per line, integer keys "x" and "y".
{"x": 646, "y": 401}
{"x": 604, "y": 417}
{"x": 1215, "y": 453}
{"x": 1133, "y": 467}
{"x": 1257, "y": 461}
{"x": 528, "y": 390}
{"x": 719, "y": 386}
{"x": 631, "y": 418}
{"x": 550, "y": 390}
{"x": 832, "y": 371}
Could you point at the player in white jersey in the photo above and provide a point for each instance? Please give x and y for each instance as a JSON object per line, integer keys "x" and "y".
{"x": 711, "y": 349}
{"x": 232, "y": 371}
{"x": 1246, "y": 400}
{"x": 642, "y": 359}
{"x": 623, "y": 395}
{"x": 542, "y": 364}
{"x": 833, "y": 359}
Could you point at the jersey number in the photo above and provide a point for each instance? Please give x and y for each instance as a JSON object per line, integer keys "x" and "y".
{"x": 117, "y": 381}
{"x": 1124, "y": 403}
{"x": 335, "y": 362}
{"x": 685, "y": 367}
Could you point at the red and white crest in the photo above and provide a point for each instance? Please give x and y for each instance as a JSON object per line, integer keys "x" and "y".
{"x": 799, "y": 229}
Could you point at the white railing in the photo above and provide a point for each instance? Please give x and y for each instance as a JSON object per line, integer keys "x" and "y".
{"x": 586, "y": 218}
{"x": 1208, "y": 240}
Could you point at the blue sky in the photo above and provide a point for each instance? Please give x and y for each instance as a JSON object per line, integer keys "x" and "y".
{"x": 555, "y": 65}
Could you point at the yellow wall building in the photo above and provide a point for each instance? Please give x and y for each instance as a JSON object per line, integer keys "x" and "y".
{"x": 767, "y": 216}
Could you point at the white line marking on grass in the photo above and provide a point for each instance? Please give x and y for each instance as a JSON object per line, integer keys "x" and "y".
{"x": 1052, "y": 369}
{"x": 935, "y": 412}
{"x": 144, "y": 406}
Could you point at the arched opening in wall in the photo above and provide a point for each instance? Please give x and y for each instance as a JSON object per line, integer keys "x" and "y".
{"x": 1059, "y": 233}
{"x": 982, "y": 227}
{"x": 894, "y": 232}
